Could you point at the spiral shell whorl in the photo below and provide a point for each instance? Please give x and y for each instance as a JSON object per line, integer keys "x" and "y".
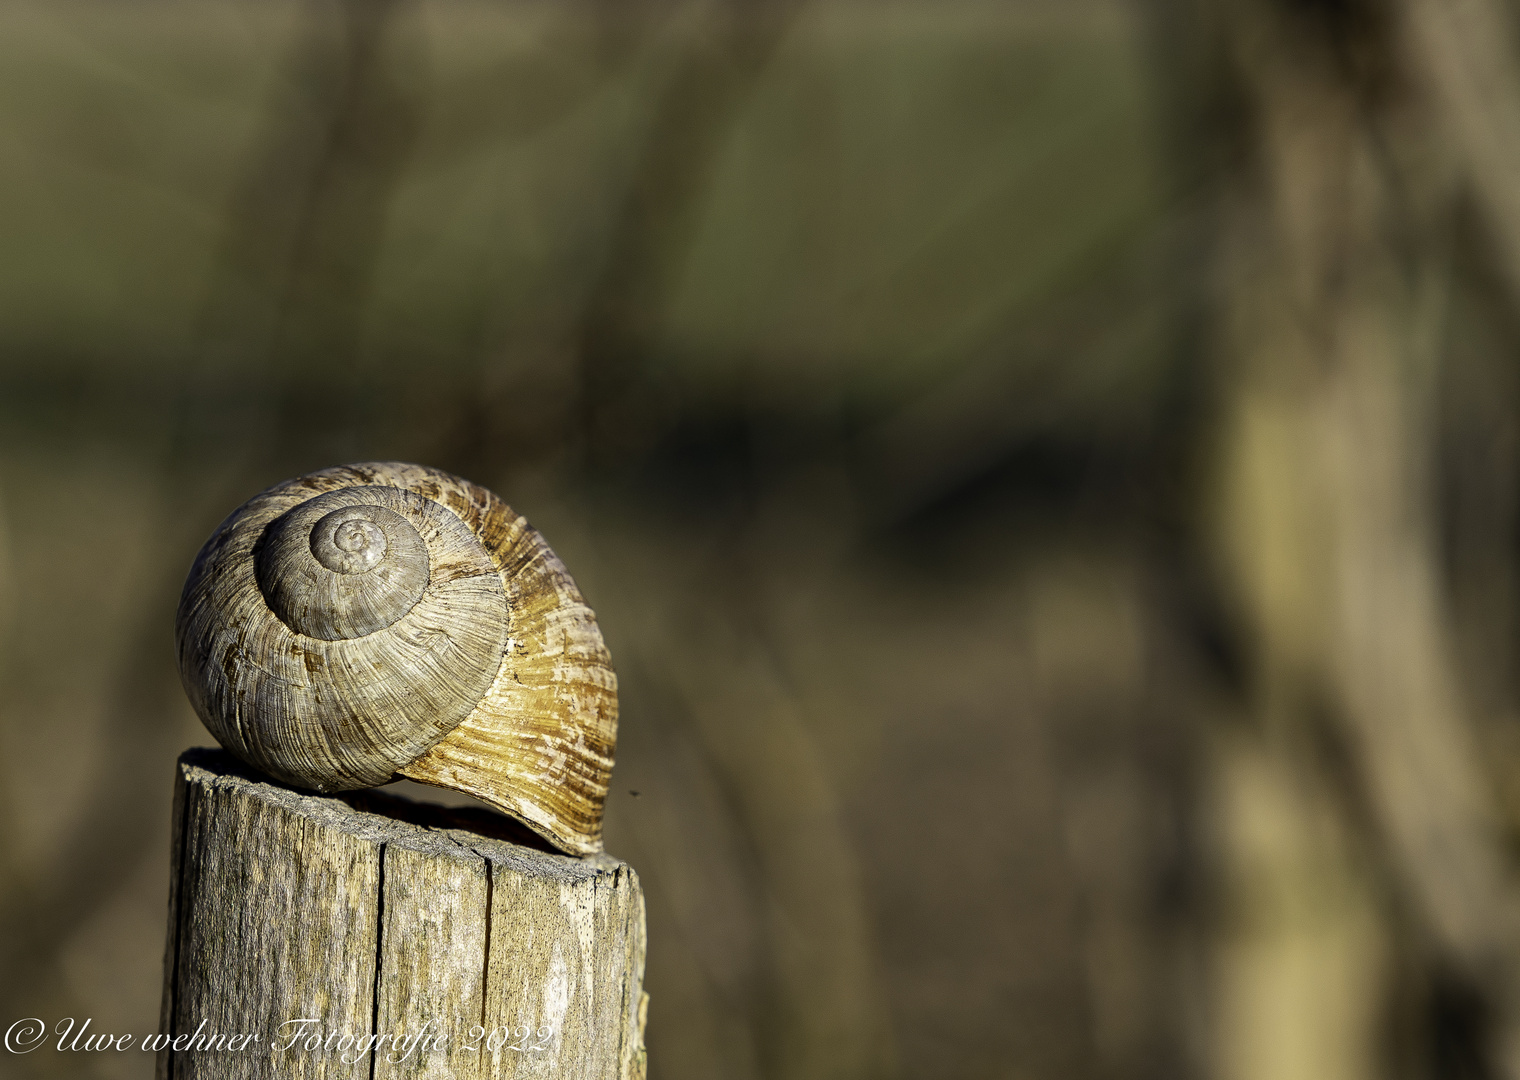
{"x": 337, "y": 567}
{"x": 353, "y": 541}
{"x": 336, "y": 678}
{"x": 381, "y": 619}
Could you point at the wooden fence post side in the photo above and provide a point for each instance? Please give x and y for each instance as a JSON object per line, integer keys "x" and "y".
{"x": 363, "y": 936}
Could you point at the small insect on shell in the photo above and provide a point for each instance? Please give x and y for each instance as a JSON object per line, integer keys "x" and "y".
{"x": 381, "y": 620}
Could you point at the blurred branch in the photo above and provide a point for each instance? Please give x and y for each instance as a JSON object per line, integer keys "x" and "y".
{"x": 1467, "y": 51}
{"x": 117, "y": 817}
{"x": 306, "y": 226}
{"x": 692, "y": 111}
{"x": 1335, "y": 278}
{"x": 821, "y": 1013}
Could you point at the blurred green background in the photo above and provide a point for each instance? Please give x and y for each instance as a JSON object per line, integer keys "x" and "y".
{"x": 1046, "y": 472}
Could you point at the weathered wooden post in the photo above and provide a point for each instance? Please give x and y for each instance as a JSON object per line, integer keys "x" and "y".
{"x": 338, "y": 630}
{"x": 363, "y": 936}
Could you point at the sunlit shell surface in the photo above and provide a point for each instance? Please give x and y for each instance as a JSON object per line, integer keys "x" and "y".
{"x": 372, "y": 620}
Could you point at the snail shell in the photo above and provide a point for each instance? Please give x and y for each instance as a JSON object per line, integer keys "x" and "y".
{"x": 385, "y": 619}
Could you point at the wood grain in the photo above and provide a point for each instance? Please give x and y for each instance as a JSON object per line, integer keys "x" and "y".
{"x": 366, "y": 936}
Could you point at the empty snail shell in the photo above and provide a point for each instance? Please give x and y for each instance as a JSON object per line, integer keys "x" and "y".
{"x": 375, "y": 620}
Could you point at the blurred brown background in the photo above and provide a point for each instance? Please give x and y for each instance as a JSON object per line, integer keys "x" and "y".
{"x": 1048, "y": 473}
